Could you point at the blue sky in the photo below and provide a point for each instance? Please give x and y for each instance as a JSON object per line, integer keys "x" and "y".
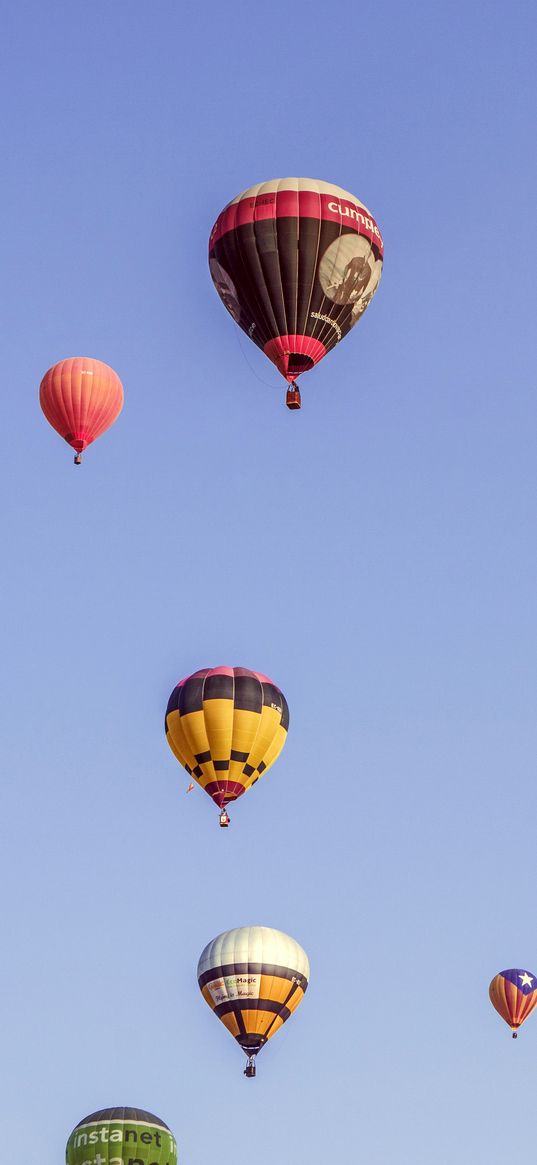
{"x": 374, "y": 554}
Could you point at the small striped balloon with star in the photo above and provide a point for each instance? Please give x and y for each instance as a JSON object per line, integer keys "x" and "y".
{"x": 514, "y": 995}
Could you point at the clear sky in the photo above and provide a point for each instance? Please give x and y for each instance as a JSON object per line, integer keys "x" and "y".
{"x": 374, "y": 554}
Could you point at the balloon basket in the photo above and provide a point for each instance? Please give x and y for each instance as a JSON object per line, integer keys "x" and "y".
{"x": 249, "y": 1071}
{"x": 293, "y": 400}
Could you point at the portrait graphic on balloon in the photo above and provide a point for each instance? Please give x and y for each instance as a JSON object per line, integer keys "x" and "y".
{"x": 360, "y": 305}
{"x": 226, "y": 289}
{"x": 349, "y": 273}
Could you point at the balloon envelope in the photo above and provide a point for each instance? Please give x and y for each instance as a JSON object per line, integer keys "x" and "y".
{"x": 253, "y": 978}
{"x": 514, "y": 995}
{"x": 296, "y": 262}
{"x": 226, "y": 726}
{"x": 81, "y": 398}
{"x": 114, "y": 1135}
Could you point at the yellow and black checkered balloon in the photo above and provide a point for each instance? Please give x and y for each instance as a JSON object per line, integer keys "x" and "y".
{"x": 226, "y": 726}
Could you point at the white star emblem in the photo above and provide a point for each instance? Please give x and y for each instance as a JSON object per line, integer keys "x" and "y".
{"x": 525, "y": 980}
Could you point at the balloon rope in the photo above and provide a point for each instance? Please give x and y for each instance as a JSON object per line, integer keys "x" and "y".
{"x": 276, "y": 384}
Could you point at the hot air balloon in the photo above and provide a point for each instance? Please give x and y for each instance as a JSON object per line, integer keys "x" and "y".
{"x": 253, "y": 978}
{"x": 296, "y": 262}
{"x": 514, "y": 995}
{"x": 114, "y": 1136}
{"x": 226, "y": 725}
{"x": 81, "y": 398}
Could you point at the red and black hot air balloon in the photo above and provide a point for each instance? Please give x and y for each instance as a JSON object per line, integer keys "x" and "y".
{"x": 296, "y": 263}
{"x": 514, "y": 995}
{"x": 81, "y": 398}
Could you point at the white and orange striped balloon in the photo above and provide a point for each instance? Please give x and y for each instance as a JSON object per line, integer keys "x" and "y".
{"x": 253, "y": 978}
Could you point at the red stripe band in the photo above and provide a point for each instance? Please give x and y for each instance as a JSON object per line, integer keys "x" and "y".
{"x": 282, "y": 349}
{"x": 298, "y": 204}
{"x": 222, "y": 792}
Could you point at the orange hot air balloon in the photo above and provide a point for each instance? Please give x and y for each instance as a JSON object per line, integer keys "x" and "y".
{"x": 514, "y": 995}
{"x": 81, "y": 398}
